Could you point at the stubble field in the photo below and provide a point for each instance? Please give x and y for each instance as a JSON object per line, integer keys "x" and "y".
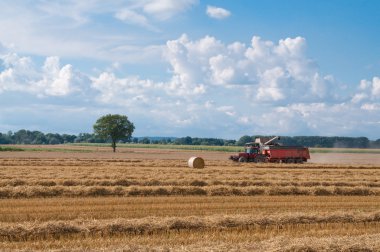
{"x": 86, "y": 198}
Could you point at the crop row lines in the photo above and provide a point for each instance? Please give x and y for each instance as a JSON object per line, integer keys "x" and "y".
{"x": 195, "y": 182}
{"x": 91, "y": 191}
{"x": 150, "y": 225}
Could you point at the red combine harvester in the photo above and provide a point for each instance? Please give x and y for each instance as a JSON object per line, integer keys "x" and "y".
{"x": 271, "y": 151}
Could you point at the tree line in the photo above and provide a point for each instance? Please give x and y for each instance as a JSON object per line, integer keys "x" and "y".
{"x": 319, "y": 141}
{"x": 36, "y": 137}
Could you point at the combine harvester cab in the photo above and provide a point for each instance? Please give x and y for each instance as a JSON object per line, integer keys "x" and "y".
{"x": 269, "y": 151}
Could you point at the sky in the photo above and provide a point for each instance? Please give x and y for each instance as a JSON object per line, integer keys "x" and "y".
{"x": 191, "y": 67}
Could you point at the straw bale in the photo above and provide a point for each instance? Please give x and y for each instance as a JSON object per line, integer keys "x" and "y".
{"x": 196, "y": 162}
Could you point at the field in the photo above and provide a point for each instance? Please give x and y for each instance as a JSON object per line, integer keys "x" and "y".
{"x": 86, "y": 198}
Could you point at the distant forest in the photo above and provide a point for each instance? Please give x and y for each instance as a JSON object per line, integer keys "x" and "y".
{"x": 37, "y": 137}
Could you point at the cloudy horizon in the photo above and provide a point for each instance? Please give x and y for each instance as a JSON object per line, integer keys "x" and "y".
{"x": 192, "y": 68}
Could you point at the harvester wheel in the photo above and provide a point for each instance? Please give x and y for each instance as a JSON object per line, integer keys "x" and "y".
{"x": 243, "y": 159}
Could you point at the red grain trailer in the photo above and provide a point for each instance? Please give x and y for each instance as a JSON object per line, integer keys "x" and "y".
{"x": 286, "y": 154}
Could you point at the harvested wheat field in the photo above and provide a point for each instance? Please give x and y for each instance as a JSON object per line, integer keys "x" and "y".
{"x": 86, "y": 198}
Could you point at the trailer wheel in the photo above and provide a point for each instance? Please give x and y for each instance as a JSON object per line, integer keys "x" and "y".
{"x": 243, "y": 159}
{"x": 259, "y": 159}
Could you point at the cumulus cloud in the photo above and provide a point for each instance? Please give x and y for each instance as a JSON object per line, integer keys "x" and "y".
{"x": 367, "y": 99}
{"x": 368, "y": 90}
{"x": 124, "y": 91}
{"x": 21, "y": 75}
{"x": 270, "y": 72}
{"x": 245, "y": 87}
{"x": 56, "y": 81}
{"x": 217, "y": 12}
{"x": 212, "y": 89}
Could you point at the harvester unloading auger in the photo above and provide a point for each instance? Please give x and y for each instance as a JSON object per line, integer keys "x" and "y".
{"x": 264, "y": 150}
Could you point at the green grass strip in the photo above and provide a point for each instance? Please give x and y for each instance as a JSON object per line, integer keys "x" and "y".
{"x": 43, "y": 149}
{"x": 167, "y": 146}
{"x": 9, "y": 148}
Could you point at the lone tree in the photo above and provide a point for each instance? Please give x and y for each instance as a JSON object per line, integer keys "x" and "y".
{"x": 113, "y": 127}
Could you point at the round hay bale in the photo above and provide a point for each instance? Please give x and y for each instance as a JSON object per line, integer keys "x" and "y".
{"x": 196, "y": 162}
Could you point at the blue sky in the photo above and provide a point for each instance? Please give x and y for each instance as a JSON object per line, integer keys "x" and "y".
{"x": 192, "y": 67}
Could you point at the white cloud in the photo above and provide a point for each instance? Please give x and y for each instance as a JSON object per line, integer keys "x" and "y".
{"x": 80, "y": 12}
{"x": 77, "y": 11}
{"x": 228, "y": 110}
{"x": 56, "y": 81}
{"x": 21, "y": 75}
{"x": 217, "y": 12}
{"x": 369, "y": 90}
{"x": 125, "y": 91}
{"x": 242, "y": 86}
{"x": 370, "y": 106}
{"x": 144, "y": 13}
{"x": 82, "y": 29}
{"x": 213, "y": 89}
{"x": 133, "y": 17}
{"x": 269, "y": 89}
{"x": 359, "y": 97}
{"x": 376, "y": 87}
{"x": 271, "y": 72}
{"x": 165, "y": 9}
{"x": 222, "y": 70}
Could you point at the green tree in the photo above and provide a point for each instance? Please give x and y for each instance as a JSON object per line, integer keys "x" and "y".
{"x": 243, "y": 140}
{"x": 145, "y": 140}
{"x": 113, "y": 127}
